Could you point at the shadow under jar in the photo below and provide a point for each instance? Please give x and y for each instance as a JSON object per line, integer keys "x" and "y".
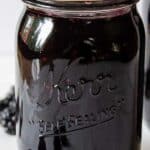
{"x": 80, "y": 76}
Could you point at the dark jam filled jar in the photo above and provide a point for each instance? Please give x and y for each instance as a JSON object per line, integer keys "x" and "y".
{"x": 80, "y": 75}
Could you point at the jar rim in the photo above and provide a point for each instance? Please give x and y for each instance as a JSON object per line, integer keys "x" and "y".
{"x": 79, "y": 4}
{"x": 82, "y": 14}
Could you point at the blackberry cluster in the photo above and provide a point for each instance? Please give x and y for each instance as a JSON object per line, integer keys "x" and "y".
{"x": 8, "y": 113}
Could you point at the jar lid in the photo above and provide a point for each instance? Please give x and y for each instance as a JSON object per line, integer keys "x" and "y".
{"x": 79, "y": 3}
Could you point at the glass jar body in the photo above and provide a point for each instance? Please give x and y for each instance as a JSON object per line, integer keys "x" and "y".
{"x": 80, "y": 82}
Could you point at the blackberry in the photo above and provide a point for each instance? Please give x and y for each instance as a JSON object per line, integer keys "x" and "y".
{"x": 8, "y": 113}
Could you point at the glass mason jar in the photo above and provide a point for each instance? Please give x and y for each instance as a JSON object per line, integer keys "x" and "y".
{"x": 80, "y": 73}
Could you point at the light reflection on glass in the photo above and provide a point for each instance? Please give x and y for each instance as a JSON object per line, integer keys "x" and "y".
{"x": 43, "y": 31}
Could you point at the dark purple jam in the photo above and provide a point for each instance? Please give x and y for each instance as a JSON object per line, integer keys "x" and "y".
{"x": 80, "y": 82}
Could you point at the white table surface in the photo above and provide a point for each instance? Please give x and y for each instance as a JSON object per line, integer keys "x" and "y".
{"x": 7, "y": 75}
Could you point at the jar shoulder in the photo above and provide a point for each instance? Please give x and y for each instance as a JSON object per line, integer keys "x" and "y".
{"x": 113, "y": 38}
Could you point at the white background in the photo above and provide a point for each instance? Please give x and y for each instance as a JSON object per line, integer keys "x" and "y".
{"x": 10, "y": 11}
